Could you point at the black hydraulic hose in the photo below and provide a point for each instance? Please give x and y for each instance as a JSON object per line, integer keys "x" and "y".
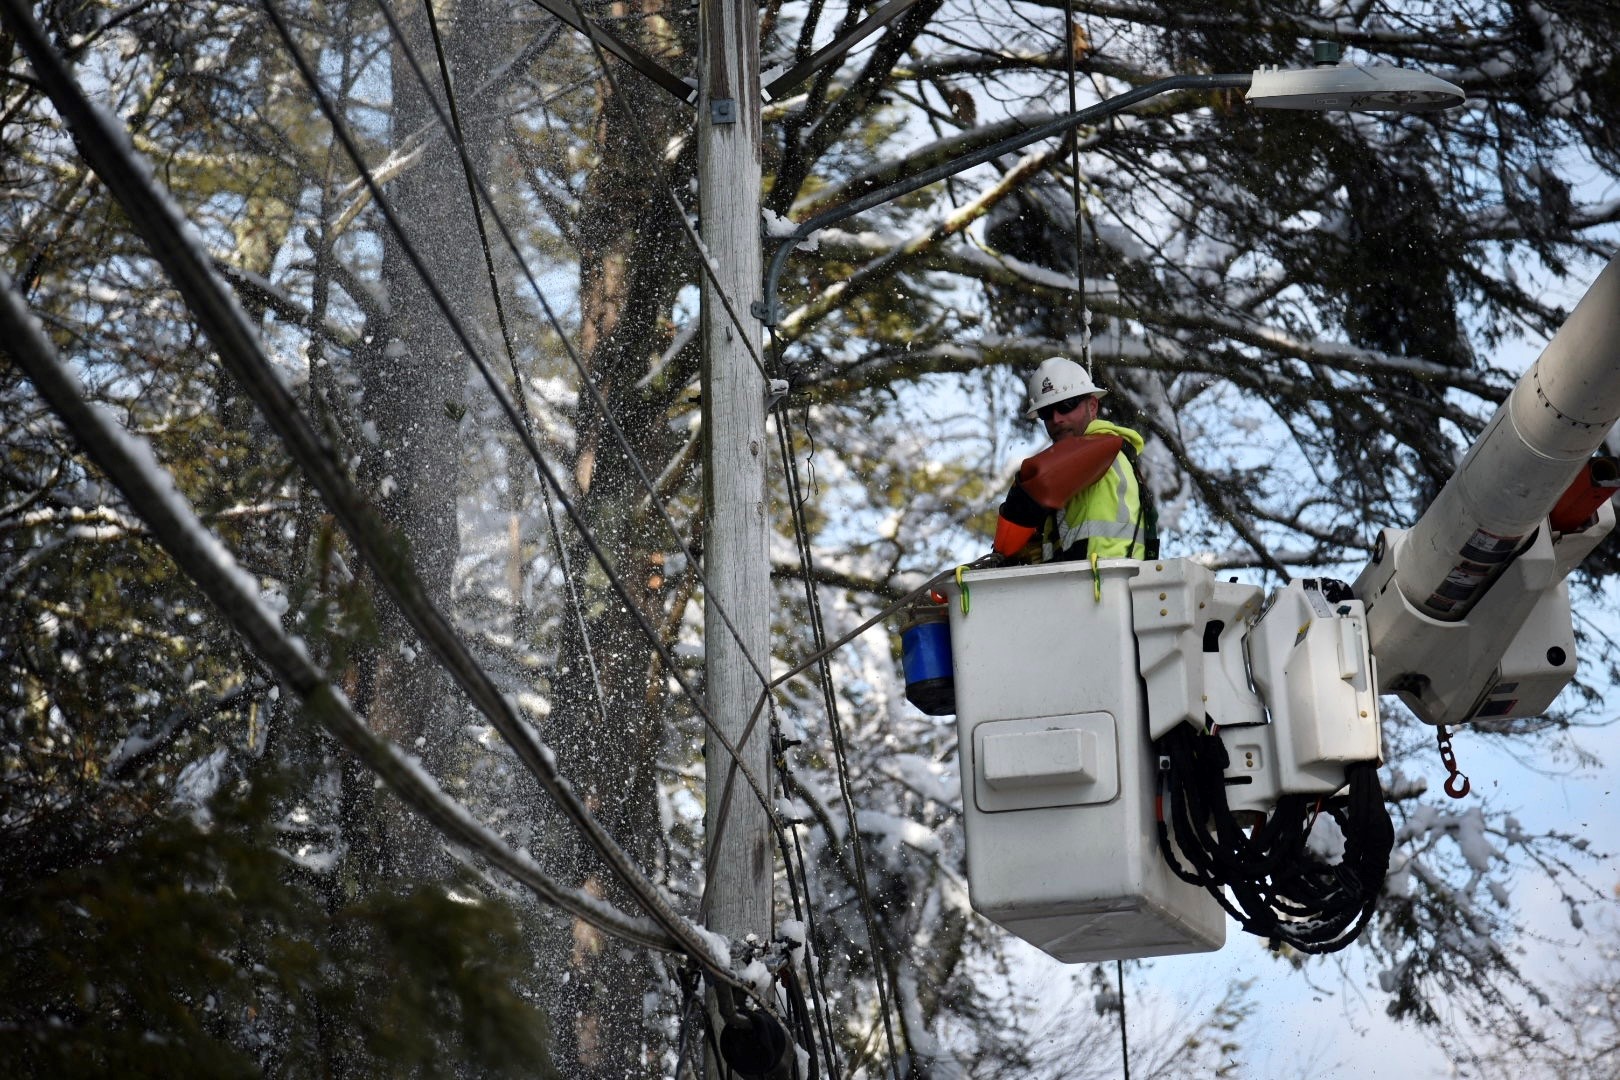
{"x": 1267, "y": 879}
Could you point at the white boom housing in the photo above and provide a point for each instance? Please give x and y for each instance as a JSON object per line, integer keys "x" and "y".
{"x": 1468, "y": 612}
{"x": 1510, "y": 656}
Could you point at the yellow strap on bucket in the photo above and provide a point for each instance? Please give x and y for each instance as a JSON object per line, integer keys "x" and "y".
{"x": 1096, "y": 580}
{"x": 962, "y": 588}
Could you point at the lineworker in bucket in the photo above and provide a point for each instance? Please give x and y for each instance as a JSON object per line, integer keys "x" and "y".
{"x": 1080, "y": 497}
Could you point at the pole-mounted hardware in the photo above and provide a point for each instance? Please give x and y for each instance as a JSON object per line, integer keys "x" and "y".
{"x": 1325, "y": 52}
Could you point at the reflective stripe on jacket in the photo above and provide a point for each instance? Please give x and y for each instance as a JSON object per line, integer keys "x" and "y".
{"x": 1106, "y": 518}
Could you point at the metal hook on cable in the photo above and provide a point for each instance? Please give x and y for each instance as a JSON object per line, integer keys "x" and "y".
{"x": 1457, "y": 785}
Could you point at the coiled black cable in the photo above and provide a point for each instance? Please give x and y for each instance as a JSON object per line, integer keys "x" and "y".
{"x": 1264, "y": 874}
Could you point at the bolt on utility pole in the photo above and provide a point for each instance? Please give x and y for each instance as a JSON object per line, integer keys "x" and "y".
{"x": 737, "y": 869}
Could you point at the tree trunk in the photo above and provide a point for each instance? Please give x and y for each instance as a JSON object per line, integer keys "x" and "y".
{"x": 413, "y": 394}
{"x": 632, "y": 264}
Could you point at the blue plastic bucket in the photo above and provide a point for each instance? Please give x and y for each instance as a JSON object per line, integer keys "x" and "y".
{"x": 925, "y": 654}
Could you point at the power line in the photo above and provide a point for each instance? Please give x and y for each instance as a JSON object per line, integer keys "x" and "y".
{"x": 1074, "y": 178}
{"x": 830, "y": 701}
{"x": 508, "y": 407}
{"x": 474, "y": 181}
{"x": 807, "y": 912}
{"x": 748, "y": 340}
{"x": 571, "y": 14}
{"x": 1124, "y": 1037}
{"x": 710, "y": 269}
{"x": 470, "y": 173}
{"x": 651, "y": 155}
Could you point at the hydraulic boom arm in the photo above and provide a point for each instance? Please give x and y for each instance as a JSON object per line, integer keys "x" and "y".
{"x": 1467, "y": 612}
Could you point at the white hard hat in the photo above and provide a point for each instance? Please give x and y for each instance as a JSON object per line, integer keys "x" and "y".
{"x": 1058, "y": 379}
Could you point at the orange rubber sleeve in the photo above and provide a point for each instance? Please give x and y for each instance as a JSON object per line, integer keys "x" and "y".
{"x": 1010, "y": 538}
{"x": 1055, "y": 474}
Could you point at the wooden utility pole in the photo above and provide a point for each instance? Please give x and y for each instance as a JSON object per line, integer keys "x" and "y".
{"x": 737, "y": 869}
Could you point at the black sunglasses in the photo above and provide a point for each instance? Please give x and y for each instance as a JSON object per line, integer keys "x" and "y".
{"x": 1059, "y": 408}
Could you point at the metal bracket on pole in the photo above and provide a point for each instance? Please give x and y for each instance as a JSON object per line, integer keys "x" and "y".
{"x": 775, "y": 391}
{"x": 723, "y": 111}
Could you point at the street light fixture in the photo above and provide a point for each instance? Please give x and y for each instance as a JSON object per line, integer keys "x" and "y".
{"x": 1351, "y": 88}
{"x": 1324, "y": 88}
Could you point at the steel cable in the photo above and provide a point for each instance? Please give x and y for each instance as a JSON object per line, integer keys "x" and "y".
{"x": 805, "y": 910}
{"x": 875, "y": 941}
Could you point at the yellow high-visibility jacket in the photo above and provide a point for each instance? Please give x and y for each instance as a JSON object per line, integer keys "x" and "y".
{"x": 1104, "y": 519}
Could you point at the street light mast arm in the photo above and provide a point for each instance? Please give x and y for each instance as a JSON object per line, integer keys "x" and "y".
{"x": 768, "y": 311}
